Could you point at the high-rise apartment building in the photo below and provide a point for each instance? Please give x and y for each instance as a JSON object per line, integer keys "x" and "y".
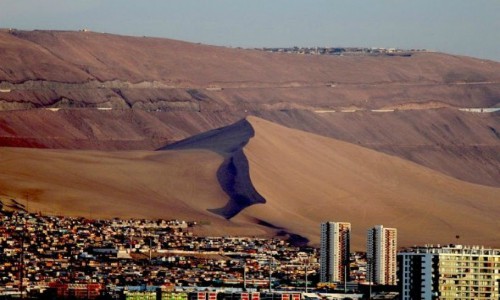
{"x": 334, "y": 251}
{"x": 450, "y": 272}
{"x": 381, "y": 255}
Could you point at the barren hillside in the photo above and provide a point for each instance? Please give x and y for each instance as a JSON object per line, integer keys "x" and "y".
{"x": 110, "y": 92}
{"x": 256, "y": 178}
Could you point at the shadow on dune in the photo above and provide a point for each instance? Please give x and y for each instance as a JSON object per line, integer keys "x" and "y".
{"x": 292, "y": 238}
{"x": 233, "y": 175}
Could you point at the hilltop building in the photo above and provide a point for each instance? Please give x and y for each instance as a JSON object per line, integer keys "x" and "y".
{"x": 381, "y": 255}
{"x": 334, "y": 251}
{"x": 449, "y": 272}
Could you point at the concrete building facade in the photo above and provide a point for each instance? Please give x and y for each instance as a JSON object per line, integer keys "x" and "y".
{"x": 450, "y": 272}
{"x": 334, "y": 251}
{"x": 381, "y": 255}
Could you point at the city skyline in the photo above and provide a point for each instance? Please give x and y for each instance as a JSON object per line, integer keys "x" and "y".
{"x": 456, "y": 27}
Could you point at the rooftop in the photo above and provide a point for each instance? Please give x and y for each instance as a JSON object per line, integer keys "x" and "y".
{"x": 452, "y": 249}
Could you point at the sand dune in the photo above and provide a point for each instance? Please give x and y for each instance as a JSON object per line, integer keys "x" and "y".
{"x": 307, "y": 179}
{"x": 113, "y": 184}
{"x": 303, "y": 179}
{"x": 233, "y": 175}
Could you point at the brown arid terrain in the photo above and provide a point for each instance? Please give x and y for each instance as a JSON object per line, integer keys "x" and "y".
{"x": 96, "y": 91}
{"x": 256, "y": 178}
{"x": 406, "y": 141}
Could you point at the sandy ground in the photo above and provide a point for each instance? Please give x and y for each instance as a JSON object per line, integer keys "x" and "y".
{"x": 108, "y": 184}
{"x": 305, "y": 179}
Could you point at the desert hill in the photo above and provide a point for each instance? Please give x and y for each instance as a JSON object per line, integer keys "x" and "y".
{"x": 302, "y": 179}
{"x": 111, "y": 92}
{"x": 107, "y": 57}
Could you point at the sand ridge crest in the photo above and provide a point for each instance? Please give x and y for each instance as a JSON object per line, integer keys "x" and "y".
{"x": 307, "y": 179}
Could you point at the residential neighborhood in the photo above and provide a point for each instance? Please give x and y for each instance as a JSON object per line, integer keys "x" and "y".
{"x": 63, "y": 250}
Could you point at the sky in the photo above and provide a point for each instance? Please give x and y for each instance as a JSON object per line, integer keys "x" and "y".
{"x": 462, "y": 27}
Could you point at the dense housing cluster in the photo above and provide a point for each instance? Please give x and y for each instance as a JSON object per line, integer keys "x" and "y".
{"x": 138, "y": 252}
{"x": 82, "y": 258}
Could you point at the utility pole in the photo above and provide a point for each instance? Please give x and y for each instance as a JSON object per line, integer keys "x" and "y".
{"x": 345, "y": 278}
{"x": 21, "y": 268}
{"x": 270, "y": 272}
{"x": 150, "y": 249}
{"x": 244, "y": 276}
{"x": 22, "y": 238}
{"x": 370, "y": 271}
{"x": 20, "y": 257}
{"x": 131, "y": 239}
{"x": 307, "y": 264}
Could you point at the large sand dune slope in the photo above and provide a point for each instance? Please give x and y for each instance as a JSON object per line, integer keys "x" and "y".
{"x": 130, "y": 184}
{"x": 302, "y": 179}
{"x": 108, "y": 184}
{"x": 307, "y": 179}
